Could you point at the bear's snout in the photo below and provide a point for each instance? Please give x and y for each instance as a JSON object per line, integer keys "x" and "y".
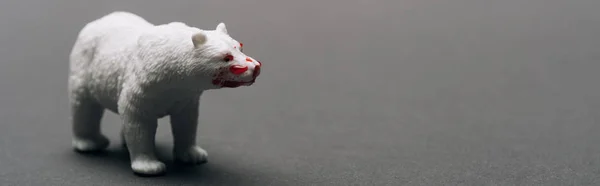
{"x": 236, "y": 75}
{"x": 241, "y": 69}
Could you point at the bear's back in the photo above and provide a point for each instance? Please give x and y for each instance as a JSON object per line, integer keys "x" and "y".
{"x": 109, "y": 32}
{"x": 119, "y": 20}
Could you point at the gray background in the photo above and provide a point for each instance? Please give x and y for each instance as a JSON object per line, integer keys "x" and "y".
{"x": 354, "y": 92}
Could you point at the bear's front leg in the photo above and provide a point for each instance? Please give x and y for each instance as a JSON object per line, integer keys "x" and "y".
{"x": 139, "y": 132}
{"x": 183, "y": 125}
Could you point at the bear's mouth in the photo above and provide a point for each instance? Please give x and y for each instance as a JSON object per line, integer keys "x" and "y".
{"x": 231, "y": 84}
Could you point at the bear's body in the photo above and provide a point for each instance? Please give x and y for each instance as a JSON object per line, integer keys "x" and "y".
{"x": 143, "y": 72}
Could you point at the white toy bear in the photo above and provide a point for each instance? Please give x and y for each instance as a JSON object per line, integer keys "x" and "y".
{"x": 144, "y": 72}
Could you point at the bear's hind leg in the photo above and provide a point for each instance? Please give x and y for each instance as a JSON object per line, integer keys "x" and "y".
{"x": 86, "y": 117}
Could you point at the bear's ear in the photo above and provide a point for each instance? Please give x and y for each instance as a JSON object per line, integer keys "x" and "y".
{"x": 221, "y": 28}
{"x": 198, "y": 39}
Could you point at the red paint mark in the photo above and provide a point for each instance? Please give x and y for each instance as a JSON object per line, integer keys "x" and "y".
{"x": 241, "y": 45}
{"x": 228, "y": 57}
{"x": 248, "y": 59}
{"x": 237, "y": 69}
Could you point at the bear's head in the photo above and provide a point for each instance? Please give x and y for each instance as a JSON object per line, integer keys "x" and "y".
{"x": 223, "y": 59}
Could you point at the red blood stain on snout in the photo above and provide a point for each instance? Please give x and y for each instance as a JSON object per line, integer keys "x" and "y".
{"x": 238, "y": 69}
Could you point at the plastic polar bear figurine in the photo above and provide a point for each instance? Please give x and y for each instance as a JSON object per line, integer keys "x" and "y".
{"x": 144, "y": 72}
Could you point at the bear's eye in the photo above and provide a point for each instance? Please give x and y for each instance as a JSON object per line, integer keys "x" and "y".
{"x": 228, "y": 57}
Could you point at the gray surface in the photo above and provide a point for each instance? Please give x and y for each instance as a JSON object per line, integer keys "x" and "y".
{"x": 399, "y": 92}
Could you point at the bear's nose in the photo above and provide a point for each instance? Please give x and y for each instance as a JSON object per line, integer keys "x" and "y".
{"x": 238, "y": 69}
{"x": 256, "y": 71}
